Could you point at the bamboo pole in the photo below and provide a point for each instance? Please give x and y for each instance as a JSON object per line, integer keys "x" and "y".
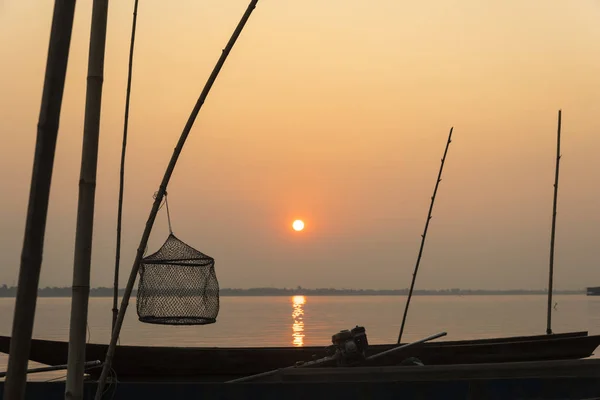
{"x": 115, "y": 309}
{"x": 39, "y": 194}
{"x": 159, "y": 196}
{"x": 551, "y": 267}
{"x": 324, "y": 362}
{"x": 405, "y": 346}
{"x": 424, "y": 235}
{"x": 85, "y": 209}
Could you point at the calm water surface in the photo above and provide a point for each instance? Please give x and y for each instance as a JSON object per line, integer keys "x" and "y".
{"x": 306, "y": 321}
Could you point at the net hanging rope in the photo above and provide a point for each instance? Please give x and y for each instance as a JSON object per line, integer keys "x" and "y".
{"x": 166, "y": 204}
{"x": 168, "y": 213}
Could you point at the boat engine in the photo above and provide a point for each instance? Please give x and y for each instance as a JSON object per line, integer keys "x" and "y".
{"x": 350, "y": 346}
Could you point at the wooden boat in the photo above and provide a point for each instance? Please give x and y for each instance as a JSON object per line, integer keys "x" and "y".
{"x": 154, "y": 363}
{"x": 571, "y": 379}
{"x": 510, "y": 370}
{"x": 593, "y": 291}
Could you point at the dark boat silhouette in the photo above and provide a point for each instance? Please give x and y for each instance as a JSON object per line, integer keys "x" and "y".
{"x": 593, "y": 291}
{"x": 154, "y": 363}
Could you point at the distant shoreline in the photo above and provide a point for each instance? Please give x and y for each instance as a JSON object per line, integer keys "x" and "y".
{"x": 6, "y": 291}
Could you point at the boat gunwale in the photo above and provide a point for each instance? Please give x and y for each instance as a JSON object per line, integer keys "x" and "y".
{"x": 469, "y": 342}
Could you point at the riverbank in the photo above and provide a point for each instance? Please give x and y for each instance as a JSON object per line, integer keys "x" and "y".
{"x": 6, "y": 291}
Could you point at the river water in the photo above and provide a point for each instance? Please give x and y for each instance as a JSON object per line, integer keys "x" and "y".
{"x": 308, "y": 320}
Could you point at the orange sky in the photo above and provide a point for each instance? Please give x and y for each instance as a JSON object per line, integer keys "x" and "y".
{"x": 335, "y": 112}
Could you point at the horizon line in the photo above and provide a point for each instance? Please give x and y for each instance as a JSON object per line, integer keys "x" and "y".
{"x": 323, "y": 290}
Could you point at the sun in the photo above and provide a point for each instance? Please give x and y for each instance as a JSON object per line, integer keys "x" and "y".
{"x": 298, "y": 225}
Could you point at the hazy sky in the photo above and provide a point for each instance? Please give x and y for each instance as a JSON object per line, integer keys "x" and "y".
{"x": 336, "y": 112}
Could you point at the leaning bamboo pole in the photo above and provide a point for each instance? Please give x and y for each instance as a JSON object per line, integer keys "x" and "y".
{"x": 85, "y": 208}
{"x": 552, "y": 234}
{"x": 424, "y": 235}
{"x": 39, "y": 194}
{"x": 115, "y": 309}
{"x": 159, "y": 196}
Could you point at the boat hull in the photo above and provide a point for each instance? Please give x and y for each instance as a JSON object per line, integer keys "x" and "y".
{"x": 527, "y": 381}
{"x": 141, "y": 363}
{"x": 593, "y": 291}
{"x": 509, "y": 370}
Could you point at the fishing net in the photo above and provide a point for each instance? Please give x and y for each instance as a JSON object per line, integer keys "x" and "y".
{"x": 178, "y": 286}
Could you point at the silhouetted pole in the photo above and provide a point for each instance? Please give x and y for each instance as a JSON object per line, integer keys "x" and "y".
{"x": 115, "y": 309}
{"x": 551, "y": 268}
{"x": 39, "y": 193}
{"x": 424, "y": 235}
{"x": 85, "y": 207}
{"x": 159, "y": 196}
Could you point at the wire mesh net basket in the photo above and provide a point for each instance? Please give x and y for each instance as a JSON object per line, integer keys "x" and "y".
{"x": 178, "y": 286}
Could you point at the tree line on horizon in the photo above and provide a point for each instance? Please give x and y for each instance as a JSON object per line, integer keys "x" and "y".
{"x": 11, "y": 291}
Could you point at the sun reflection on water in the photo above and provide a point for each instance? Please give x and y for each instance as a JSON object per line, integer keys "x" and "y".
{"x": 298, "y": 317}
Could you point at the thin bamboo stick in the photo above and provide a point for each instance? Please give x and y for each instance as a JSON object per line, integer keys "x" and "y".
{"x": 115, "y": 309}
{"x": 424, "y": 235}
{"x": 159, "y": 196}
{"x": 85, "y": 208}
{"x": 552, "y": 234}
{"x": 39, "y": 194}
{"x": 327, "y": 360}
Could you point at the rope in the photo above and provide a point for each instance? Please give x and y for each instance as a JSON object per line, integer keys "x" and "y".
{"x": 168, "y": 214}
{"x": 114, "y": 381}
{"x": 165, "y": 203}
{"x": 55, "y": 379}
